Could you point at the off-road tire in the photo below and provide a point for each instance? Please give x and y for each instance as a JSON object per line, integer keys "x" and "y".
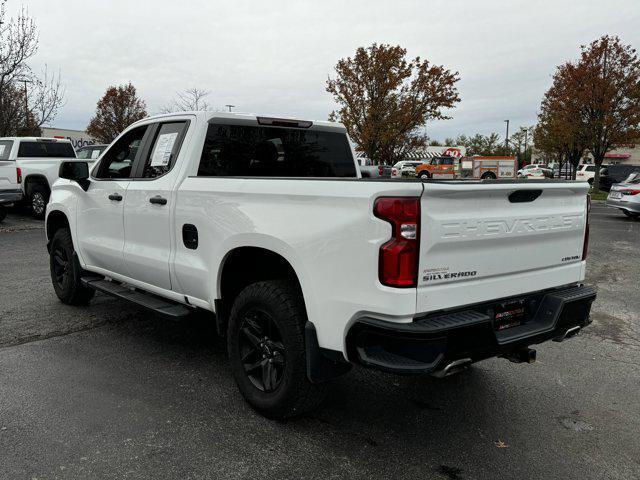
{"x": 65, "y": 275}
{"x": 281, "y": 302}
{"x": 38, "y": 199}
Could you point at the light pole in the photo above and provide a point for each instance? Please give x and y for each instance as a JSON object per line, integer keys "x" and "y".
{"x": 506, "y": 138}
{"x": 524, "y": 156}
{"x": 26, "y": 101}
{"x": 230, "y": 106}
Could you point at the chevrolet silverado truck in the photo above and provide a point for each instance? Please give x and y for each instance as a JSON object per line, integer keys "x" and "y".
{"x": 265, "y": 225}
{"x": 37, "y": 161}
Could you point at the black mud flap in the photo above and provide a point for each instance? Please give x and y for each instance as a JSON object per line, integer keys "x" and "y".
{"x": 322, "y": 364}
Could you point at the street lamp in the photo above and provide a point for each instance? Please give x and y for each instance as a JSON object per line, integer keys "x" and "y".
{"x": 26, "y": 100}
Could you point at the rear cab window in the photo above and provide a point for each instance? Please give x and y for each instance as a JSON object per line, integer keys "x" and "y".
{"x": 5, "y": 149}
{"x": 263, "y": 151}
{"x": 45, "y": 149}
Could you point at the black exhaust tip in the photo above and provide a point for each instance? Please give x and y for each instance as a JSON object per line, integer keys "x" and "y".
{"x": 522, "y": 355}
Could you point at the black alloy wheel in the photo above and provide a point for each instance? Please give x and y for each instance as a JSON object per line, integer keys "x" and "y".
{"x": 60, "y": 265}
{"x": 262, "y": 350}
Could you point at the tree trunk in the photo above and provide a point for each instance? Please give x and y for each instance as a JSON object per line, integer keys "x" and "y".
{"x": 596, "y": 177}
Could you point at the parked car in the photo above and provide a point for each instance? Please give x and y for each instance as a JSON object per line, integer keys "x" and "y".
{"x": 586, "y": 172}
{"x": 90, "y": 151}
{"x": 10, "y": 191}
{"x": 38, "y": 161}
{"x": 306, "y": 269}
{"x": 405, "y": 168}
{"x": 612, "y": 174}
{"x": 536, "y": 170}
{"x": 626, "y": 196}
{"x": 368, "y": 170}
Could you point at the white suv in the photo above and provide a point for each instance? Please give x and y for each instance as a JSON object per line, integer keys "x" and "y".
{"x": 586, "y": 172}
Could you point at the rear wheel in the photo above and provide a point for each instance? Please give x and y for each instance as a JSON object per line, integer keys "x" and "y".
{"x": 38, "y": 200}
{"x": 631, "y": 214}
{"x": 265, "y": 342}
{"x": 488, "y": 176}
{"x": 3, "y": 212}
{"x": 65, "y": 275}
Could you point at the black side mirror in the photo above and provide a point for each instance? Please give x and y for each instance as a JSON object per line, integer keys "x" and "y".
{"x": 76, "y": 171}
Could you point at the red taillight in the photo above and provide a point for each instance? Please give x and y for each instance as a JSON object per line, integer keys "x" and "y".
{"x": 380, "y": 170}
{"x": 18, "y": 175}
{"x": 398, "y": 264}
{"x": 585, "y": 245}
{"x": 630, "y": 192}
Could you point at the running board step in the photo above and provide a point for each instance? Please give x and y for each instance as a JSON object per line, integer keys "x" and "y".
{"x": 152, "y": 302}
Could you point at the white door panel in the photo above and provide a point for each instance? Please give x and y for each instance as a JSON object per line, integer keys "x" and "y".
{"x": 147, "y": 210}
{"x": 147, "y": 232}
{"x": 100, "y": 229}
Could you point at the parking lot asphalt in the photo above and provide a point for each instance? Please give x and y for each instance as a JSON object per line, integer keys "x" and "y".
{"x": 109, "y": 391}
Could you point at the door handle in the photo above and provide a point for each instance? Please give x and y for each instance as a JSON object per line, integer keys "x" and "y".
{"x": 158, "y": 200}
{"x": 115, "y": 196}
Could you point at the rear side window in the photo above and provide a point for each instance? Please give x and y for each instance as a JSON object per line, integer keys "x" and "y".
{"x": 254, "y": 151}
{"x": 90, "y": 153}
{"x": 45, "y": 149}
{"x": 590, "y": 168}
{"x": 5, "y": 149}
{"x": 164, "y": 150}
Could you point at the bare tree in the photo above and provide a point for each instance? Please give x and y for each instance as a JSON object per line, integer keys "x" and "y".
{"x": 26, "y": 101}
{"x": 191, "y": 99}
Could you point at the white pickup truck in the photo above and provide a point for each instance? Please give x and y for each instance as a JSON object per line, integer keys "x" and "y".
{"x": 37, "y": 162}
{"x": 10, "y": 191}
{"x": 307, "y": 268}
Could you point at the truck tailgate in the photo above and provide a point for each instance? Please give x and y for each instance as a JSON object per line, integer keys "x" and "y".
{"x": 485, "y": 240}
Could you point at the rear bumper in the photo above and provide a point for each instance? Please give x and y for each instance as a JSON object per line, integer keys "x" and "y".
{"x": 430, "y": 343}
{"x": 633, "y": 207}
{"x": 10, "y": 196}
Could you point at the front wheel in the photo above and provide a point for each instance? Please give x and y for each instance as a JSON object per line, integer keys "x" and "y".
{"x": 424, "y": 175}
{"x": 65, "y": 275}
{"x": 265, "y": 343}
{"x": 3, "y": 212}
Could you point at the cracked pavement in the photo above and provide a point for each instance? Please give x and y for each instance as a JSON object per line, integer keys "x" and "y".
{"x": 109, "y": 391}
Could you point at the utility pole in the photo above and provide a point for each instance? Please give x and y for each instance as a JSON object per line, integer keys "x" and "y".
{"x": 506, "y": 138}
{"x": 230, "y": 106}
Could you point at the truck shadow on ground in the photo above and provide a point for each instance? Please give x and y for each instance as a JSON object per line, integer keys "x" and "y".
{"x": 366, "y": 411}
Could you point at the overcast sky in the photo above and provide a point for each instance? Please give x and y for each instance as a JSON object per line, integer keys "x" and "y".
{"x": 274, "y": 56}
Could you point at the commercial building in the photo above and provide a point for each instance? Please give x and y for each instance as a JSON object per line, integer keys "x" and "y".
{"x": 78, "y": 137}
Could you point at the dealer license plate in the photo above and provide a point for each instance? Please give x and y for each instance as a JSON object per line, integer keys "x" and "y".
{"x": 510, "y": 314}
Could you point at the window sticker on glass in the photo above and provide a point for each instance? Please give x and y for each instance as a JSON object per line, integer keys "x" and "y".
{"x": 95, "y": 153}
{"x": 162, "y": 152}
